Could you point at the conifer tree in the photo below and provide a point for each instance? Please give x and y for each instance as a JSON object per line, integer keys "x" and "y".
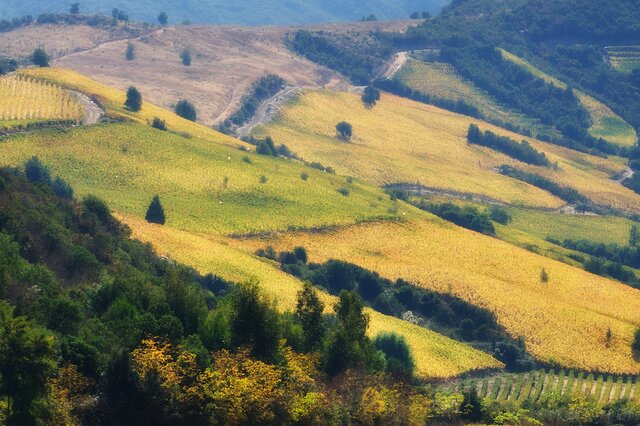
{"x": 155, "y": 212}
{"x": 134, "y": 99}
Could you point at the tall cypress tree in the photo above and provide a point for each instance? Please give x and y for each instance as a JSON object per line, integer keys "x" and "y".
{"x": 155, "y": 212}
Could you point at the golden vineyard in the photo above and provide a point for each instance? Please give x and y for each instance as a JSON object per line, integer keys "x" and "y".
{"x": 23, "y": 99}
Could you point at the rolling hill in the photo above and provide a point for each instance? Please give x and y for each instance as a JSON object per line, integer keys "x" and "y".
{"x": 253, "y": 12}
{"x": 401, "y": 141}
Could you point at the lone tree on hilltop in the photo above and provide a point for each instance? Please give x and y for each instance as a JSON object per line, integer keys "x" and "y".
{"x": 155, "y": 212}
{"x": 345, "y": 130}
{"x": 370, "y": 96}
{"x": 40, "y": 58}
{"x": 75, "y": 9}
{"x": 134, "y": 99}
{"x": 185, "y": 109}
{"x": 163, "y": 18}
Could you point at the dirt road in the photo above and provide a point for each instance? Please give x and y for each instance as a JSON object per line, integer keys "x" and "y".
{"x": 267, "y": 110}
{"x": 92, "y": 111}
{"x": 399, "y": 61}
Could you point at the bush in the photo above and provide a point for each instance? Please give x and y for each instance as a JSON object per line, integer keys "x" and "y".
{"x": 134, "y": 100}
{"x": 344, "y": 191}
{"x": 158, "y": 124}
{"x": 62, "y": 189}
{"x": 185, "y": 109}
{"x": 163, "y": 18}
{"x": 500, "y": 215}
{"x": 40, "y": 58}
{"x": 155, "y": 212}
{"x": 397, "y": 353}
{"x": 345, "y": 130}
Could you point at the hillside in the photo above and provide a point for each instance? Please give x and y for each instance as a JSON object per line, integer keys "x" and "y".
{"x": 574, "y": 306}
{"x": 271, "y": 12}
{"x": 401, "y": 141}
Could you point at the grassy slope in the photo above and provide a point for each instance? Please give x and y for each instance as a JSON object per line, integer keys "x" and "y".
{"x": 573, "y": 307}
{"x": 440, "y": 79}
{"x": 436, "y": 356}
{"x": 127, "y": 163}
{"x": 605, "y": 123}
{"x": 404, "y": 141}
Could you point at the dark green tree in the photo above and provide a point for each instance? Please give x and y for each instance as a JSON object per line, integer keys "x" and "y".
{"x": 309, "y": 312}
{"x": 254, "y": 322}
{"x": 26, "y": 363}
{"x": 130, "y": 53}
{"x": 397, "y": 353}
{"x": 186, "y": 57}
{"x": 40, "y": 57}
{"x": 74, "y": 9}
{"x": 471, "y": 406}
{"x": 163, "y": 19}
{"x": 634, "y": 236}
{"x": 345, "y": 130}
{"x": 155, "y": 212}
{"x": 159, "y": 124}
{"x": 185, "y": 109}
{"x": 349, "y": 347}
{"x": 134, "y": 100}
{"x": 370, "y": 96}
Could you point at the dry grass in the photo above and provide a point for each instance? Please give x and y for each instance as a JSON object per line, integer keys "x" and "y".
{"x": 404, "y": 141}
{"x": 573, "y": 308}
{"x": 606, "y": 124}
{"x": 436, "y": 356}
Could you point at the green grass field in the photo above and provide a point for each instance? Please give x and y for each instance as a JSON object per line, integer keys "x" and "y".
{"x": 205, "y": 187}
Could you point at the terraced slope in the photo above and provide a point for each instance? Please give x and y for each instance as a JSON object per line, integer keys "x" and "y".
{"x": 404, "y": 141}
{"x": 574, "y": 306}
{"x": 605, "y": 123}
{"x": 436, "y": 356}
{"x": 24, "y": 100}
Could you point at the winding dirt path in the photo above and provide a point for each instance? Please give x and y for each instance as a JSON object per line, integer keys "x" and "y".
{"x": 92, "y": 111}
{"x": 267, "y": 110}
{"x": 400, "y": 59}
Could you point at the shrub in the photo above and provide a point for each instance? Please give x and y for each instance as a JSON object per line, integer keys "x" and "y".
{"x": 155, "y": 212}
{"x": 344, "y": 191}
{"x": 134, "y": 100}
{"x": 397, "y": 353}
{"x": 500, "y": 215}
{"x": 304, "y": 176}
{"x": 185, "y": 109}
{"x": 345, "y": 130}
{"x": 40, "y": 58}
{"x": 62, "y": 189}
{"x": 158, "y": 124}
